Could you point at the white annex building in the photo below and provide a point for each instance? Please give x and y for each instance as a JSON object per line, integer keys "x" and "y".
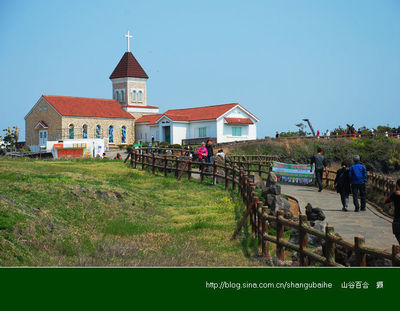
{"x": 226, "y": 123}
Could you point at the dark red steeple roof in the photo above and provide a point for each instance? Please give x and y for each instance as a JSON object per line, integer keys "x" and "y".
{"x": 128, "y": 66}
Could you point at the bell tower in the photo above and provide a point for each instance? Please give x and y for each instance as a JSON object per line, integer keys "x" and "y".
{"x": 129, "y": 80}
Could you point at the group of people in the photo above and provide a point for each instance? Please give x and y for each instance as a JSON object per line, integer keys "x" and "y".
{"x": 352, "y": 179}
{"x": 205, "y": 153}
{"x": 349, "y": 179}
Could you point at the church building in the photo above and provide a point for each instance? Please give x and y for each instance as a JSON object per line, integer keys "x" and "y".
{"x": 65, "y": 122}
{"x": 66, "y": 118}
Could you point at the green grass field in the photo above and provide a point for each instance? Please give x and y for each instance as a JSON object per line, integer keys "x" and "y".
{"x": 103, "y": 213}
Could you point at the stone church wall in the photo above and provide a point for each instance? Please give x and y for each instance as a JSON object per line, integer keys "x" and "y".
{"x": 91, "y": 123}
{"x": 41, "y": 112}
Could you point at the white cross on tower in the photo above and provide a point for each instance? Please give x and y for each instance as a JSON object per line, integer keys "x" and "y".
{"x": 127, "y": 36}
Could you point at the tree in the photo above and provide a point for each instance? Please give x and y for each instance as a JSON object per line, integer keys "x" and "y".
{"x": 302, "y": 129}
{"x": 11, "y": 137}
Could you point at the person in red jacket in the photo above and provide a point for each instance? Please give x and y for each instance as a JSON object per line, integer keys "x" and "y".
{"x": 202, "y": 152}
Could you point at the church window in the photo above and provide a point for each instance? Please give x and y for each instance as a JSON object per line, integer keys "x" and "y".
{"x": 71, "y": 131}
{"x": 123, "y": 134}
{"x": 140, "y": 96}
{"x": 110, "y": 134}
{"x": 202, "y": 132}
{"x": 98, "y": 131}
{"x": 84, "y": 131}
{"x": 133, "y": 95}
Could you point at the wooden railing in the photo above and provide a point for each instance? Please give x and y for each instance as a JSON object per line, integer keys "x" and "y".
{"x": 259, "y": 215}
{"x": 382, "y": 185}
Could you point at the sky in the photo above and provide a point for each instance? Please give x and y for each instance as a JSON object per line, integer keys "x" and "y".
{"x": 334, "y": 62}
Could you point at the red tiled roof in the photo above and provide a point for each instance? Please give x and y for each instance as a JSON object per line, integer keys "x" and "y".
{"x": 195, "y": 114}
{"x": 199, "y": 113}
{"x": 239, "y": 120}
{"x": 149, "y": 119}
{"x": 87, "y": 107}
{"x": 42, "y": 124}
{"x": 128, "y": 66}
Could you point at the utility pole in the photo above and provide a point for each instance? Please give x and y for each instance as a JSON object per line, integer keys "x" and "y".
{"x": 309, "y": 124}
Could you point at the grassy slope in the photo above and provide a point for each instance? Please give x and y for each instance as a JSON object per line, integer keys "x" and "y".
{"x": 95, "y": 212}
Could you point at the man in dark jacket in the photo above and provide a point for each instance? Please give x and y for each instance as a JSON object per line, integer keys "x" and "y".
{"x": 210, "y": 151}
{"x": 358, "y": 178}
{"x": 342, "y": 184}
{"x": 320, "y": 165}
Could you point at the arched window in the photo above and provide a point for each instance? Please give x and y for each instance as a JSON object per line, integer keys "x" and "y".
{"x": 117, "y": 96}
{"x": 98, "y": 131}
{"x": 84, "y": 131}
{"x": 71, "y": 132}
{"x": 123, "y": 134}
{"x": 122, "y": 95}
{"x": 133, "y": 95}
{"x": 110, "y": 134}
{"x": 140, "y": 96}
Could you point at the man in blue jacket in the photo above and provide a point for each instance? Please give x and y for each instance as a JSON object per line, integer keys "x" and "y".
{"x": 358, "y": 178}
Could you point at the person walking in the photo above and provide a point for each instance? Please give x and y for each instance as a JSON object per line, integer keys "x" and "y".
{"x": 395, "y": 198}
{"x": 342, "y": 184}
{"x": 327, "y": 134}
{"x": 320, "y": 164}
{"x": 358, "y": 178}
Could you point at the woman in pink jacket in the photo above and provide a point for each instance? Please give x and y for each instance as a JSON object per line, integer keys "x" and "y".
{"x": 202, "y": 152}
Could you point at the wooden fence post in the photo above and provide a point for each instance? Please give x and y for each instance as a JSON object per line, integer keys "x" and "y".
{"x": 303, "y": 239}
{"x": 136, "y": 157}
{"x": 190, "y": 170}
{"x": 176, "y": 166}
{"x": 153, "y": 164}
{"x": 329, "y": 246}
{"x": 214, "y": 172}
{"x": 202, "y": 171}
{"x": 234, "y": 178}
{"x": 166, "y": 165}
{"x": 361, "y": 257}
{"x": 142, "y": 160}
{"x": 265, "y": 228}
{"x": 280, "y": 230}
{"x": 396, "y": 256}
{"x": 259, "y": 223}
{"x": 226, "y": 176}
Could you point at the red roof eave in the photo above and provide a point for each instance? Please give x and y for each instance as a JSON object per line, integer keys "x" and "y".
{"x": 239, "y": 120}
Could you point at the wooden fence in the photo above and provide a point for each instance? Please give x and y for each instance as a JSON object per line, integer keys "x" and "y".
{"x": 259, "y": 215}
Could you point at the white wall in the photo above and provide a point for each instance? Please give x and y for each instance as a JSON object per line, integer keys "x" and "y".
{"x": 211, "y": 128}
{"x": 249, "y": 131}
{"x": 179, "y": 131}
{"x": 155, "y": 132}
{"x": 142, "y": 131}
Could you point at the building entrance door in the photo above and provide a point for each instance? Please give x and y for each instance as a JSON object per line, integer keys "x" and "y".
{"x": 43, "y": 138}
{"x": 167, "y": 134}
